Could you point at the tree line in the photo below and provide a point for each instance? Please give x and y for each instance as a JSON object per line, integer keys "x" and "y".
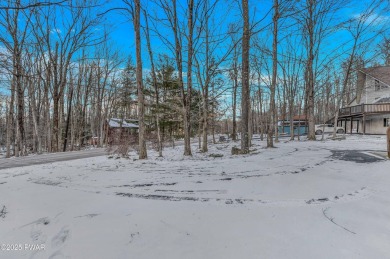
{"x": 224, "y": 67}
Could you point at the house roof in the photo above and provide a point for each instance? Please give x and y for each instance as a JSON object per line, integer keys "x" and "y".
{"x": 380, "y": 73}
{"x": 301, "y": 117}
{"x": 124, "y": 123}
{"x": 383, "y": 100}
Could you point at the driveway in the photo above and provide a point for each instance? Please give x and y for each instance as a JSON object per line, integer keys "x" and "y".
{"x": 49, "y": 158}
{"x": 357, "y": 156}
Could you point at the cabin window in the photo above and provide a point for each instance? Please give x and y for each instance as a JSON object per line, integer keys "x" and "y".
{"x": 377, "y": 85}
{"x": 386, "y": 122}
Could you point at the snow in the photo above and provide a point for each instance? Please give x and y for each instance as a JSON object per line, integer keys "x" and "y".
{"x": 323, "y": 199}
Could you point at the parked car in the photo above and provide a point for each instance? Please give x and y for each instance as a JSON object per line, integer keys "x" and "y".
{"x": 327, "y": 128}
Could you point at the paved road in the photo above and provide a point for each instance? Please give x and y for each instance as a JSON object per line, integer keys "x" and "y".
{"x": 49, "y": 158}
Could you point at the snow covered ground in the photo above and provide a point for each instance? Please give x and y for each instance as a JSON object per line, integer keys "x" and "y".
{"x": 324, "y": 199}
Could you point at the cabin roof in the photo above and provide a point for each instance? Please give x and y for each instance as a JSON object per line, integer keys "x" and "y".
{"x": 124, "y": 123}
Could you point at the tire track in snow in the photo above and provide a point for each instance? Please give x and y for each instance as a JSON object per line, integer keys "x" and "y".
{"x": 341, "y": 198}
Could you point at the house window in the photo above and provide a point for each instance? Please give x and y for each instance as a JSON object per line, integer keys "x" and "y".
{"x": 377, "y": 85}
{"x": 386, "y": 122}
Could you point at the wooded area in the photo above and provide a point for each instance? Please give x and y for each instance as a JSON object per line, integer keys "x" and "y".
{"x": 239, "y": 70}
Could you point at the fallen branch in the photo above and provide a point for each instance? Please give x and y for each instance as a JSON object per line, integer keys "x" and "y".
{"x": 332, "y": 220}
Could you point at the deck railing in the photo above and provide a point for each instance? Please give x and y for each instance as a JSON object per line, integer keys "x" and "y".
{"x": 365, "y": 108}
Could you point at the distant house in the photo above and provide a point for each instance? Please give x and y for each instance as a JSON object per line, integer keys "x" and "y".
{"x": 120, "y": 130}
{"x": 300, "y": 125}
{"x": 369, "y": 112}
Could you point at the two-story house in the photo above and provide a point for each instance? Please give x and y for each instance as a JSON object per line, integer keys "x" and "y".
{"x": 369, "y": 112}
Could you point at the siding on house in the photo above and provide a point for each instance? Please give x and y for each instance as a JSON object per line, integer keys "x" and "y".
{"x": 373, "y": 87}
{"x": 375, "y": 124}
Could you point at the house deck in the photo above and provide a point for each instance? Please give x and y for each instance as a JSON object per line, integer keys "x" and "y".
{"x": 361, "y": 111}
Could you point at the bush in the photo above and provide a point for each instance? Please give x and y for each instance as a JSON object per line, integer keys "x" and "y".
{"x": 236, "y": 151}
{"x": 123, "y": 147}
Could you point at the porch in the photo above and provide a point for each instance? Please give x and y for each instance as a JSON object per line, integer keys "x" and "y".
{"x": 357, "y": 116}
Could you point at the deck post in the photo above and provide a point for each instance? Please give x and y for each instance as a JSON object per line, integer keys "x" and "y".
{"x": 345, "y": 126}
{"x": 364, "y": 124}
{"x": 351, "y": 124}
{"x": 388, "y": 142}
{"x": 357, "y": 125}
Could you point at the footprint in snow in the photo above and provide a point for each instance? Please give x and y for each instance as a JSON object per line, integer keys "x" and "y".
{"x": 37, "y": 234}
{"x": 61, "y": 237}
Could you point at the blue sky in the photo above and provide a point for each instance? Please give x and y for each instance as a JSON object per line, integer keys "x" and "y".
{"x": 122, "y": 34}
{"x": 122, "y": 30}
{"x": 227, "y": 11}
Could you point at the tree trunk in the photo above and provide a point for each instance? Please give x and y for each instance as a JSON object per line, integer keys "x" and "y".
{"x": 20, "y": 97}
{"x": 141, "y": 103}
{"x": 187, "y": 115}
{"x": 205, "y": 119}
{"x": 309, "y": 76}
{"x": 68, "y": 120}
{"x": 155, "y": 85}
{"x": 245, "y": 95}
{"x": 10, "y": 122}
{"x": 271, "y": 126}
{"x": 234, "y": 131}
{"x": 35, "y": 117}
{"x": 17, "y": 140}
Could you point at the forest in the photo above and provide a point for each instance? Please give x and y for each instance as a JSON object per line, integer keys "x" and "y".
{"x": 196, "y": 68}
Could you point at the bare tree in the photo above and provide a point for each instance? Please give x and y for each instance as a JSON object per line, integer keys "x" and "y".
{"x": 385, "y": 50}
{"x": 273, "y": 117}
{"x": 187, "y": 106}
{"x": 170, "y": 10}
{"x": 316, "y": 20}
{"x": 61, "y": 46}
{"x": 208, "y": 59}
{"x": 154, "y": 81}
{"x": 245, "y": 94}
{"x": 18, "y": 6}
{"x": 141, "y": 102}
{"x": 234, "y": 76}
{"x": 291, "y": 77}
{"x": 14, "y": 39}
